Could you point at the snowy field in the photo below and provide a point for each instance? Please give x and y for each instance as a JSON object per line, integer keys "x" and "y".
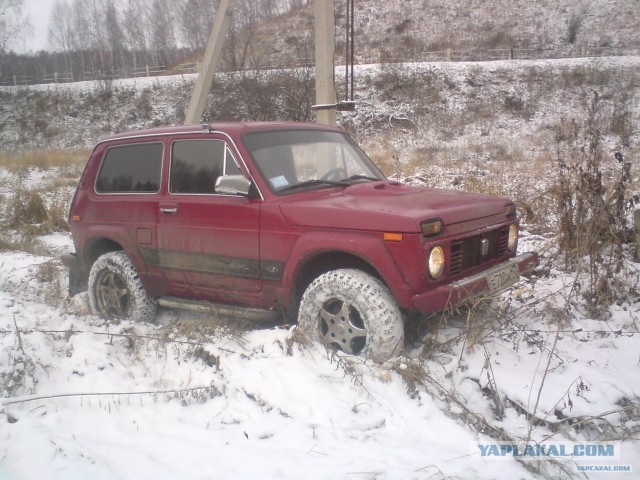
{"x": 196, "y": 397}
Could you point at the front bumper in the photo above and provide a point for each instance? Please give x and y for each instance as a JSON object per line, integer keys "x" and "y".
{"x": 450, "y": 295}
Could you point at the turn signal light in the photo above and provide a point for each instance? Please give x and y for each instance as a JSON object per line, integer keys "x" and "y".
{"x": 432, "y": 227}
{"x": 392, "y": 237}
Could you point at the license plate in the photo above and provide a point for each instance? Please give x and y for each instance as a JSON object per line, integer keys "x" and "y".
{"x": 502, "y": 278}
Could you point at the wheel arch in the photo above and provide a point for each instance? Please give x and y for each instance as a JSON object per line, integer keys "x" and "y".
{"x": 316, "y": 254}
{"x": 96, "y": 247}
{"x": 101, "y": 239}
{"x": 323, "y": 262}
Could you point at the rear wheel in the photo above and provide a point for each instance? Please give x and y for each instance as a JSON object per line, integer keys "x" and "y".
{"x": 352, "y": 311}
{"x": 116, "y": 292}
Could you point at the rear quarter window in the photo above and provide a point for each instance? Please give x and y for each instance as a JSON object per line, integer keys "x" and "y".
{"x": 135, "y": 168}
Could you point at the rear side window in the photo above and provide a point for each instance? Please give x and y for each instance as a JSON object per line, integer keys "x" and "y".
{"x": 197, "y": 164}
{"x": 131, "y": 169}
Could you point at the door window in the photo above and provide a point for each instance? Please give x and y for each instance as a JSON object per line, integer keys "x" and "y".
{"x": 197, "y": 164}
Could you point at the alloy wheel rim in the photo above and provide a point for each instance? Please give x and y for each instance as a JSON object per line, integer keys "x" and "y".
{"x": 112, "y": 295}
{"x": 341, "y": 326}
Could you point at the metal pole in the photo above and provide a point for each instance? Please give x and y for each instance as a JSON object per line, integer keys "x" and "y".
{"x": 353, "y": 45}
{"x": 325, "y": 47}
{"x": 210, "y": 62}
{"x": 347, "y": 50}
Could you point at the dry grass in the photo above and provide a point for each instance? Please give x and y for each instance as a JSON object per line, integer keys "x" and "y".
{"x": 43, "y": 159}
{"x": 28, "y": 211}
{"x": 385, "y": 159}
{"x": 488, "y": 167}
{"x": 26, "y": 208}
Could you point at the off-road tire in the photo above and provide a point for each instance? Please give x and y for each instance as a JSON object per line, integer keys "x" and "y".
{"x": 352, "y": 311}
{"x": 116, "y": 292}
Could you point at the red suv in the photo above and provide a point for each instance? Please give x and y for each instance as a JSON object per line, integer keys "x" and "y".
{"x": 280, "y": 220}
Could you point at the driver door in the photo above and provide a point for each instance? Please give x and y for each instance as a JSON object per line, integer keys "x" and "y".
{"x": 208, "y": 242}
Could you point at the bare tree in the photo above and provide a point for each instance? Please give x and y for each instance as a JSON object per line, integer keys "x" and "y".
{"x": 113, "y": 30}
{"x": 93, "y": 14}
{"x": 197, "y": 20}
{"x": 13, "y": 24}
{"x": 164, "y": 21}
{"x": 61, "y": 30}
{"x": 138, "y": 31}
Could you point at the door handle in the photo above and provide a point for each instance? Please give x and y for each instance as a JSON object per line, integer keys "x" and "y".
{"x": 169, "y": 210}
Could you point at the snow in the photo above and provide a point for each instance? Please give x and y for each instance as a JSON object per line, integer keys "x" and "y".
{"x": 261, "y": 412}
{"x": 194, "y": 397}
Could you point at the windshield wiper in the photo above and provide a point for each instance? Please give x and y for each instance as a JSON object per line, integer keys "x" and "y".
{"x": 310, "y": 183}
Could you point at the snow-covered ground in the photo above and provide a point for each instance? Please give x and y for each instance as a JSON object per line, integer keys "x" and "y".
{"x": 186, "y": 398}
{"x": 195, "y": 397}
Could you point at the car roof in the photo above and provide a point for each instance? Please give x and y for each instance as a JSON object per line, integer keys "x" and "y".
{"x": 233, "y": 129}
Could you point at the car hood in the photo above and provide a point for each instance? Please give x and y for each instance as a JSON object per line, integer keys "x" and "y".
{"x": 387, "y": 206}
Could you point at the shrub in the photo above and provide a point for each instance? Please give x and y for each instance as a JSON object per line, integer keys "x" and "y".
{"x": 594, "y": 200}
{"x": 27, "y": 208}
{"x": 575, "y": 22}
{"x": 402, "y": 26}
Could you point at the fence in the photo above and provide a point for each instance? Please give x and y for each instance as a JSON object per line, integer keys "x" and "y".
{"x": 502, "y": 54}
{"x": 276, "y": 62}
{"x": 57, "y": 78}
{"x": 16, "y": 80}
{"x": 186, "y": 68}
{"x": 148, "y": 71}
{"x": 88, "y": 75}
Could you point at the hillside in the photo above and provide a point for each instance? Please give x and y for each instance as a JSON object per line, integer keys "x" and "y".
{"x": 198, "y": 396}
{"x": 453, "y": 110}
{"x": 408, "y": 29}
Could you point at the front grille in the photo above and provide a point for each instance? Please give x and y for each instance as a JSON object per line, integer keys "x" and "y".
{"x": 467, "y": 252}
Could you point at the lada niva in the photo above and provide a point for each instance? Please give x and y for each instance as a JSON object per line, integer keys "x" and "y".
{"x": 280, "y": 221}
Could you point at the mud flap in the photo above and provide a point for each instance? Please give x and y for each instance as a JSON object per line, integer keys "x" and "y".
{"x": 78, "y": 278}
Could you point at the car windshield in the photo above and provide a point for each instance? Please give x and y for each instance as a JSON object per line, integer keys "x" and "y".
{"x": 294, "y": 160}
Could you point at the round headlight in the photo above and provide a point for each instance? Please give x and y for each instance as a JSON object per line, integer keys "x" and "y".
{"x": 513, "y": 238}
{"x": 436, "y": 262}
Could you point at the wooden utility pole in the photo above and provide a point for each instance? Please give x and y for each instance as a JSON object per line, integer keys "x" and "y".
{"x": 325, "y": 47}
{"x": 210, "y": 62}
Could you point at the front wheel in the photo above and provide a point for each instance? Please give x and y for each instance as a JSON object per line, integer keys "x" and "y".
{"x": 352, "y": 311}
{"x": 116, "y": 292}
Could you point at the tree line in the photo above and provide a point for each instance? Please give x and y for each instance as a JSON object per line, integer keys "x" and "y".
{"x": 91, "y": 39}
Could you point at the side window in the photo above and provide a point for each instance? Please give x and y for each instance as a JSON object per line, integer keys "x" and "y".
{"x": 197, "y": 164}
{"x": 135, "y": 168}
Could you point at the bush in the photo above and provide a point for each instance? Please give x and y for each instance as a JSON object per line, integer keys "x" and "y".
{"x": 27, "y": 208}
{"x": 575, "y": 22}
{"x": 594, "y": 200}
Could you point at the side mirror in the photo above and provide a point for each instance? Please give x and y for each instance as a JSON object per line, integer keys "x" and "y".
{"x": 233, "y": 185}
